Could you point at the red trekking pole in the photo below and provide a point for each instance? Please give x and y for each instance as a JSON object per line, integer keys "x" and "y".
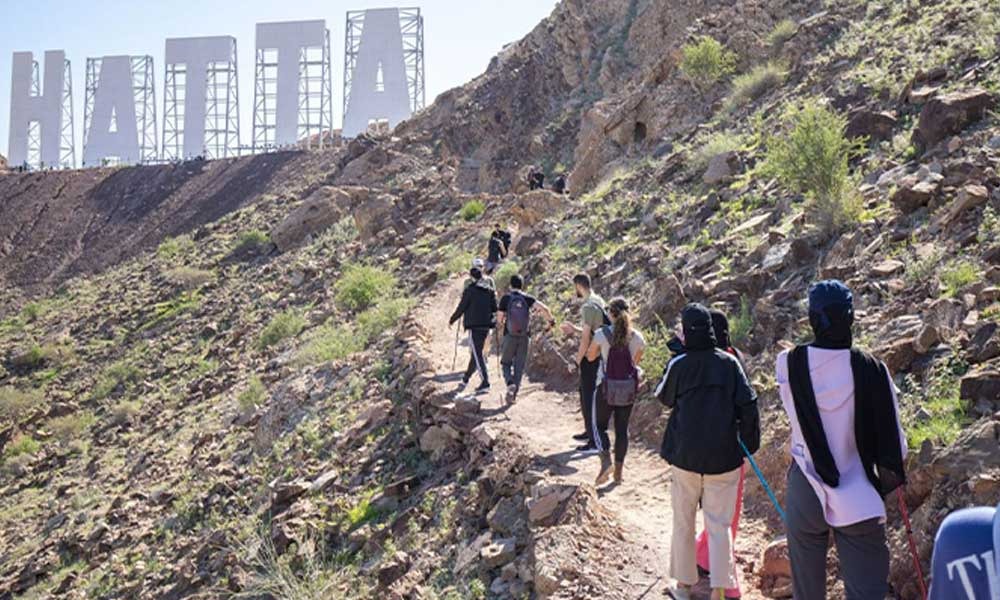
{"x": 913, "y": 545}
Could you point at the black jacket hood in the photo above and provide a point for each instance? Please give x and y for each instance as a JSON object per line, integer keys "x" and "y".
{"x": 698, "y": 332}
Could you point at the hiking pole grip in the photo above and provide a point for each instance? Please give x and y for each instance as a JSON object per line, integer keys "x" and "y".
{"x": 763, "y": 481}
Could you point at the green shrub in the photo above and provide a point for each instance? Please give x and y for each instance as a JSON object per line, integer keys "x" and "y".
{"x": 119, "y": 377}
{"x": 782, "y": 32}
{"x": 36, "y": 355}
{"x": 253, "y": 396}
{"x": 69, "y": 427}
{"x": 454, "y": 260}
{"x": 751, "y": 86}
{"x": 361, "y": 286}
{"x": 657, "y": 355}
{"x": 708, "y": 146}
{"x": 125, "y": 411}
{"x": 706, "y": 61}
{"x": 284, "y": 325}
{"x": 164, "y": 311}
{"x": 989, "y": 227}
{"x": 330, "y": 342}
{"x": 741, "y": 324}
{"x": 23, "y": 445}
{"x": 376, "y": 320}
{"x": 171, "y": 248}
{"x": 32, "y": 311}
{"x": 812, "y": 158}
{"x": 957, "y": 275}
{"x": 17, "y": 404}
{"x": 189, "y": 278}
{"x": 502, "y": 275}
{"x": 251, "y": 240}
{"x": 940, "y": 397}
{"x": 472, "y": 210}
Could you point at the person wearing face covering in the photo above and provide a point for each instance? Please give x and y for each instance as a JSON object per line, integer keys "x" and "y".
{"x": 712, "y": 407}
{"x": 847, "y": 448}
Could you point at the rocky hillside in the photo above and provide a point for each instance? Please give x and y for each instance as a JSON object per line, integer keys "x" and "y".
{"x": 217, "y": 377}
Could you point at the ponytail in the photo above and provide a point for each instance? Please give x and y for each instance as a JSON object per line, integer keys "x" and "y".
{"x": 621, "y": 322}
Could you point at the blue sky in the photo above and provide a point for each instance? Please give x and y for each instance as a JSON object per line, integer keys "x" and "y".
{"x": 461, "y": 36}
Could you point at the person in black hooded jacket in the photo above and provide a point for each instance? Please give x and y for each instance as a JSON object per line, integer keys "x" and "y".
{"x": 478, "y": 311}
{"x": 712, "y": 407}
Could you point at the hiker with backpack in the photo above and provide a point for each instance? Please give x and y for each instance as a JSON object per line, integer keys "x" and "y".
{"x": 498, "y": 248}
{"x": 620, "y": 347}
{"x": 559, "y": 184}
{"x": 478, "y": 311}
{"x": 847, "y": 447}
{"x": 713, "y": 410}
{"x": 592, "y": 318}
{"x": 515, "y": 320}
{"x": 536, "y": 179}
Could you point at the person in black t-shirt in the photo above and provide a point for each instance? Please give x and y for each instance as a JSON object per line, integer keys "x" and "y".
{"x": 515, "y": 310}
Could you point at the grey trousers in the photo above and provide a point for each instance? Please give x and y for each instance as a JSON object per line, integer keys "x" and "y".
{"x": 513, "y": 357}
{"x": 861, "y": 547}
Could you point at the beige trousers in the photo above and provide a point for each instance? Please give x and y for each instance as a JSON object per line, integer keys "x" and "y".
{"x": 717, "y": 494}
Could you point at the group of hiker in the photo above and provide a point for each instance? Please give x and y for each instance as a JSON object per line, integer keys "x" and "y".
{"x": 847, "y": 442}
{"x": 536, "y": 181}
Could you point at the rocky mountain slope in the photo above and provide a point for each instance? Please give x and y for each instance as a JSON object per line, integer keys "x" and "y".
{"x": 219, "y": 379}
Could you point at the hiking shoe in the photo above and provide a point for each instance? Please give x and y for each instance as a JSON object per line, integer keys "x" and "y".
{"x": 587, "y": 449}
{"x": 618, "y": 472}
{"x": 483, "y": 388}
{"x": 605, "y": 473}
{"x": 582, "y": 437}
{"x": 679, "y": 592}
{"x": 511, "y": 394}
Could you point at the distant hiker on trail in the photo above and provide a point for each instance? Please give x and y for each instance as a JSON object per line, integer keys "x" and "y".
{"x": 620, "y": 348}
{"x": 559, "y": 184}
{"x": 848, "y": 449}
{"x": 478, "y": 311}
{"x": 515, "y": 310}
{"x": 499, "y": 247}
{"x": 536, "y": 179}
{"x": 965, "y": 545}
{"x": 720, "y": 324}
{"x": 592, "y": 318}
{"x": 713, "y": 408}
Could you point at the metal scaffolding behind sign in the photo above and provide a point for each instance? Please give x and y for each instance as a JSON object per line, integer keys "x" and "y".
{"x": 144, "y": 96}
{"x": 411, "y": 26}
{"x": 67, "y": 146}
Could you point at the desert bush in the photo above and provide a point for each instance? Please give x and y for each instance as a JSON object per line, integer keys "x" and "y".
{"x": 37, "y": 355}
{"x": 171, "y": 248}
{"x": 330, "y": 342}
{"x": 758, "y": 82}
{"x": 164, "y": 311}
{"x": 32, "y": 311}
{"x": 472, "y": 210}
{"x": 125, "y": 411}
{"x": 251, "y": 240}
{"x": 709, "y": 145}
{"x": 306, "y": 574}
{"x": 812, "y": 158}
{"x": 453, "y": 260}
{"x": 706, "y": 61}
{"x": 284, "y": 325}
{"x": 19, "y": 451}
{"x": 958, "y": 274}
{"x": 69, "y": 427}
{"x": 989, "y": 227}
{"x": 189, "y": 278}
{"x": 253, "y": 396}
{"x": 502, "y": 275}
{"x": 741, "y": 324}
{"x": 17, "y": 404}
{"x": 782, "y": 32}
{"x": 119, "y": 377}
{"x": 361, "y": 286}
{"x": 376, "y": 320}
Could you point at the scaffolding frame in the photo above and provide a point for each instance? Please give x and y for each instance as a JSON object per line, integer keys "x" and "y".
{"x": 411, "y": 26}
{"x": 222, "y": 122}
{"x": 144, "y": 96}
{"x": 315, "y": 106}
{"x": 67, "y": 146}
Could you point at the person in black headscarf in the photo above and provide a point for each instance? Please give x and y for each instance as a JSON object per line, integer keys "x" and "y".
{"x": 712, "y": 407}
{"x": 848, "y": 449}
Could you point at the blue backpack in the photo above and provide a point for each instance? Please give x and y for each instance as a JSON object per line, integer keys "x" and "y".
{"x": 518, "y": 315}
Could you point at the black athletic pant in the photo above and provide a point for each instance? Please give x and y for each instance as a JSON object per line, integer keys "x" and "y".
{"x": 622, "y": 414}
{"x": 477, "y": 362}
{"x": 588, "y": 395}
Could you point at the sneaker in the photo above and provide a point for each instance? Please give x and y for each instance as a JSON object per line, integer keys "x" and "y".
{"x": 588, "y": 449}
{"x": 582, "y": 437}
{"x": 679, "y": 592}
{"x": 511, "y": 394}
{"x": 605, "y": 473}
{"x": 483, "y": 388}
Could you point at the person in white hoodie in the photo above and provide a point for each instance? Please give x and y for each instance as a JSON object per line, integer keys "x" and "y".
{"x": 847, "y": 447}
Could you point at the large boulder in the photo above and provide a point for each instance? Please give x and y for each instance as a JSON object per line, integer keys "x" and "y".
{"x": 722, "y": 167}
{"x": 981, "y": 387}
{"x": 876, "y": 126}
{"x": 374, "y": 215}
{"x": 531, "y": 208}
{"x": 316, "y": 214}
{"x": 968, "y": 197}
{"x": 913, "y": 193}
{"x": 949, "y": 114}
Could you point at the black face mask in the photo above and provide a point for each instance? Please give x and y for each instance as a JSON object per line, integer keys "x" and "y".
{"x": 832, "y": 327}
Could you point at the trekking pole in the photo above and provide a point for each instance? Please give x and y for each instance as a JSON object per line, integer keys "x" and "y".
{"x": 763, "y": 482}
{"x": 454, "y": 358}
{"x": 913, "y": 546}
{"x": 496, "y": 343}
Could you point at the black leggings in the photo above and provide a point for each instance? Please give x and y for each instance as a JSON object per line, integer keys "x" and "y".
{"x": 622, "y": 414}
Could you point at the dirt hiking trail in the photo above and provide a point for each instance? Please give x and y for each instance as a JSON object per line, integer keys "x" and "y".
{"x": 546, "y": 422}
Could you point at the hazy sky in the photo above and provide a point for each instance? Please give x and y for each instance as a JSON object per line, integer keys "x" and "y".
{"x": 461, "y": 36}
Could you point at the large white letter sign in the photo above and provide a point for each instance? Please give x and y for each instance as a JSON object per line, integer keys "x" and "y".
{"x": 113, "y": 130}
{"x": 379, "y": 88}
{"x": 44, "y": 108}
{"x": 288, "y": 39}
{"x": 196, "y": 54}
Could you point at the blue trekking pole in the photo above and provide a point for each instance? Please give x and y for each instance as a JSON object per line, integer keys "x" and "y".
{"x": 763, "y": 481}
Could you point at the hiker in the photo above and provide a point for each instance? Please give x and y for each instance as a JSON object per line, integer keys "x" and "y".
{"x": 559, "y": 184}
{"x": 478, "y": 311}
{"x": 720, "y": 325}
{"x": 515, "y": 318}
{"x": 713, "y": 407}
{"x": 848, "y": 449}
{"x": 592, "y": 318}
{"x": 498, "y": 248}
{"x": 620, "y": 347}
{"x": 536, "y": 179}
{"x": 967, "y": 556}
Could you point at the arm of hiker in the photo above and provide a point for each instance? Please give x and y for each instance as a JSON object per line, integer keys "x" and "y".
{"x": 895, "y": 403}
{"x": 585, "y": 340}
{"x": 747, "y": 415}
{"x": 570, "y": 329}
{"x": 462, "y": 305}
{"x": 593, "y": 351}
{"x": 666, "y": 391}
{"x": 544, "y": 310}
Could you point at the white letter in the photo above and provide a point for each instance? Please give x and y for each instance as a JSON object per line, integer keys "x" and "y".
{"x": 196, "y": 54}
{"x": 962, "y": 574}
{"x": 45, "y": 108}
{"x": 991, "y": 572}
{"x": 114, "y": 101}
{"x": 379, "y": 88}
{"x": 288, "y": 39}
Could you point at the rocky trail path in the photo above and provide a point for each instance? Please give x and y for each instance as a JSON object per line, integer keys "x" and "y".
{"x": 546, "y": 422}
